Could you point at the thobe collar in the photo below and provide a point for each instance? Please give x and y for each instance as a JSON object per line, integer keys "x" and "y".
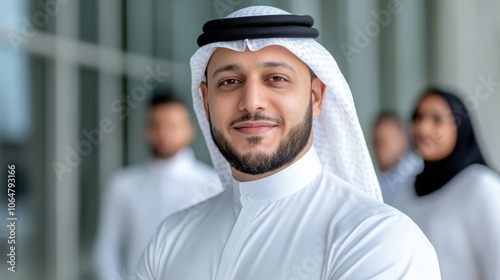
{"x": 281, "y": 184}
{"x": 180, "y": 163}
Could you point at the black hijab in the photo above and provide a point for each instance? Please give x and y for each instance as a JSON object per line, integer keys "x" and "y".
{"x": 465, "y": 153}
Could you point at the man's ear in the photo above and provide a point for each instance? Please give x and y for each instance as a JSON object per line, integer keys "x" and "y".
{"x": 317, "y": 92}
{"x": 204, "y": 96}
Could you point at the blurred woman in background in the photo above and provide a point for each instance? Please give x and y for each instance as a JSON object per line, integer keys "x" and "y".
{"x": 456, "y": 198}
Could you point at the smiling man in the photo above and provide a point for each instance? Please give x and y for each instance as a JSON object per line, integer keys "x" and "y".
{"x": 302, "y": 199}
{"x": 256, "y": 101}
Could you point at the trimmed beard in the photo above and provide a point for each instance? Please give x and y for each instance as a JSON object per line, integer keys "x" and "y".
{"x": 260, "y": 163}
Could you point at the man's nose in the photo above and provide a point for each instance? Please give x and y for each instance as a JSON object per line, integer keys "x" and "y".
{"x": 253, "y": 97}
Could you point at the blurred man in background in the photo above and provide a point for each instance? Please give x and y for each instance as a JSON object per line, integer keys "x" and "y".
{"x": 138, "y": 198}
{"x": 397, "y": 164}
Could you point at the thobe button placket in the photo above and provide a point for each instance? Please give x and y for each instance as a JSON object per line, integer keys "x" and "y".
{"x": 236, "y": 239}
{"x": 255, "y": 196}
{"x": 247, "y": 199}
{"x": 250, "y": 196}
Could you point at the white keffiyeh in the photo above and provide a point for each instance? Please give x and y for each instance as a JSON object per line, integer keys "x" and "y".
{"x": 337, "y": 134}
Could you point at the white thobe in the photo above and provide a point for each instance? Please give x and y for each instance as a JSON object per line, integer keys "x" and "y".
{"x": 462, "y": 221}
{"x": 138, "y": 199}
{"x": 299, "y": 223}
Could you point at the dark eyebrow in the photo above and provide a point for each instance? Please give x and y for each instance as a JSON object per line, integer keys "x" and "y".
{"x": 273, "y": 64}
{"x": 230, "y": 67}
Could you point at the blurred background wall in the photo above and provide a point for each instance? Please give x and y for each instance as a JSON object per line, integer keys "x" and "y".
{"x": 74, "y": 88}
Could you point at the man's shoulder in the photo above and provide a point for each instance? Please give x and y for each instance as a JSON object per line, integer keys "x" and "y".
{"x": 391, "y": 245}
{"x": 352, "y": 211}
{"x": 195, "y": 214}
{"x": 204, "y": 171}
{"x": 204, "y": 167}
{"x": 126, "y": 178}
{"x": 347, "y": 195}
{"x": 131, "y": 171}
{"x": 369, "y": 231}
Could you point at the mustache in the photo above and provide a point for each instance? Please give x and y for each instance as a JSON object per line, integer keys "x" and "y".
{"x": 256, "y": 117}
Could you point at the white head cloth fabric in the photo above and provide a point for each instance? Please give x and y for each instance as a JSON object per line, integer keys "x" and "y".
{"x": 337, "y": 135}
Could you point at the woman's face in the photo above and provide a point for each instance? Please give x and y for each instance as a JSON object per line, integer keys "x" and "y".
{"x": 434, "y": 129}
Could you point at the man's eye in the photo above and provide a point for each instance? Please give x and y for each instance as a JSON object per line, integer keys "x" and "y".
{"x": 229, "y": 82}
{"x": 277, "y": 79}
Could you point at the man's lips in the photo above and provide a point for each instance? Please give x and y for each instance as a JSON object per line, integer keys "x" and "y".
{"x": 253, "y": 128}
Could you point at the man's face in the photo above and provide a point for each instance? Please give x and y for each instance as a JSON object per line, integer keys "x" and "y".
{"x": 389, "y": 143}
{"x": 169, "y": 129}
{"x": 260, "y": 107}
